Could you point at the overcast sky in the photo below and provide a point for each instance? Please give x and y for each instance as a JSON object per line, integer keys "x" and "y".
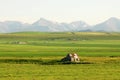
{"x": 91, "y": 11}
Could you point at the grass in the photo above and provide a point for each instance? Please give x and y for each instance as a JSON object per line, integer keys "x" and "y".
{"x": 107, "y": 71}
{"x": 100, "y": 68}
{"x": 16, "y": 50}
{"x": 39, "y": 58}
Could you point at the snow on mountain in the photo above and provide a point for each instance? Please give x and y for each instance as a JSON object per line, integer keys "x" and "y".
{"x": 43, "y": 25}
{"x": 49, "y": 26}
{"x": 79, "y": 26}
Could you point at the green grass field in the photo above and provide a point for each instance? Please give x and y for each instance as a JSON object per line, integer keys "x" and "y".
{"x": 36, "y": 56}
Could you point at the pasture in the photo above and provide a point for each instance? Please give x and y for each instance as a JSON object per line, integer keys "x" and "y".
{"x": 36, "y": 56}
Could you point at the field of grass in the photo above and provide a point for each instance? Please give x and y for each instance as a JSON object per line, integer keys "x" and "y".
{"x": 60, "y": 72}
{"x": 39, "y": 58}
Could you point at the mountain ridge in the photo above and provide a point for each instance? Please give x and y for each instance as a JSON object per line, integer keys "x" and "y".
{"x": 44, "y": 25}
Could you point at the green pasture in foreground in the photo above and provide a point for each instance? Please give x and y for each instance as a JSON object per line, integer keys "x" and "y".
{"x": 100, "y": 68}
{"x": 39, "y": 58}
{"x": 59, "y": 72}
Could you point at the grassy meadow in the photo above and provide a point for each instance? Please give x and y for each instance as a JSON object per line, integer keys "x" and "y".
{"x": 37, "y": 55}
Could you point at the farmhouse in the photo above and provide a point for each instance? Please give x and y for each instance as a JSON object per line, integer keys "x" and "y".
{"x": 22, "y": 42}
{"x": 71, "y": 57}
{"x": 18, "y": 42}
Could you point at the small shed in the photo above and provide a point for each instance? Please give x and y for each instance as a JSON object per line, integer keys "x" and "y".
{"x": 71, "y": 57}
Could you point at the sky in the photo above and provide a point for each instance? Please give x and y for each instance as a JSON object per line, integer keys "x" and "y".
{"x": 29, "y": 11}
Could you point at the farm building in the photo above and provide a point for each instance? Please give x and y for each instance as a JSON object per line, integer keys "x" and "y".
{"x": 18, "y": 42}
{"x": 71, "y": 57}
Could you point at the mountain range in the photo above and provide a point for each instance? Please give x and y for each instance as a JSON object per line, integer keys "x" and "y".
{"x": 43, "y": 25}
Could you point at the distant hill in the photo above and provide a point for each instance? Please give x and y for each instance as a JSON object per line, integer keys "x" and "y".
{"x": 111, "y": 25}
{"x": 43, "y": 25}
